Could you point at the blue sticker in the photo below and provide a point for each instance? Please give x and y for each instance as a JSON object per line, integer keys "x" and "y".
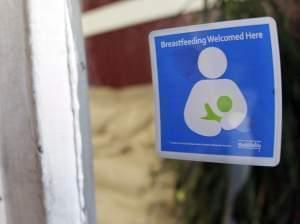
{"x": 218, "y": 92}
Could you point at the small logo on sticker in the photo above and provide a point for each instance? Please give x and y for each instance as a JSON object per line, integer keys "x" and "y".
{"x": 249, "y": 144}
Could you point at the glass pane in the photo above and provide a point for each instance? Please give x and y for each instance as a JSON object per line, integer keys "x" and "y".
{"x": 134, "y": 185}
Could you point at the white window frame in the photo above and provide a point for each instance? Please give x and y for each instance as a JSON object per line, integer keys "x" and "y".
{"x": 45, "y": 148}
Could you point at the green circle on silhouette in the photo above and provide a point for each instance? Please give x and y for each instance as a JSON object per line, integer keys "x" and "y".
{"x": 224, "y": 103}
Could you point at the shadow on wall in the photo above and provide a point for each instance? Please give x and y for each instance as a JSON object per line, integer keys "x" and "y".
{"x": 132, "y": 184}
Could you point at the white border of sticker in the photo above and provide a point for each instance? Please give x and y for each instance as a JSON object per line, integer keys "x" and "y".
{"x": 243, "y": 160}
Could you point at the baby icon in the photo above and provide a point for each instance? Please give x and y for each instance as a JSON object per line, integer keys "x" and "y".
{"x": 214, "y": 104}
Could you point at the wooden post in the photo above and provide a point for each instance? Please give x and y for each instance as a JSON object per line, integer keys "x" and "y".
{"x": 45, "y": 149}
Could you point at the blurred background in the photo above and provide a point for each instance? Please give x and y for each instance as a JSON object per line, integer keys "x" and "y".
{"x": 133, "y": 185}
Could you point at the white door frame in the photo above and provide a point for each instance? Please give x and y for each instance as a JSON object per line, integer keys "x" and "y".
{"x": 45, "y": 148}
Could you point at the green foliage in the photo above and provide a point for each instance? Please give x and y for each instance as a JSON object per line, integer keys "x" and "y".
{"x": 233, "y": 9}
{"x": 201, "y": 200}
{"x": 270, "y": 195}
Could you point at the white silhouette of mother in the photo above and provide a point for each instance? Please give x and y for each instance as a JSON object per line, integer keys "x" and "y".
{"x": 214, "y": 104}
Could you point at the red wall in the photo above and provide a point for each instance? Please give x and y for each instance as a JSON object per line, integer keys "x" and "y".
{"x": 121, "y": 58}
{"x": 91, "y": 4}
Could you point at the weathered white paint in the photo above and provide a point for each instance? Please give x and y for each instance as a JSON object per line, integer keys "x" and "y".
{"x": 84, "y": 113}
{"x": 55, "y": 79}
{"x": 133, "y": 12}
{"x": 74, "y": 78}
